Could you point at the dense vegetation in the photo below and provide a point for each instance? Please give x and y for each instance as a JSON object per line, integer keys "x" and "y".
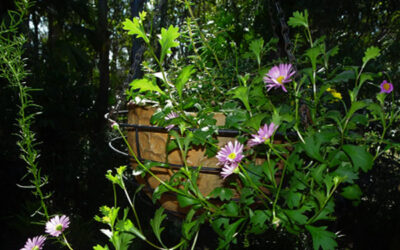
{"x": 81, "y": 60}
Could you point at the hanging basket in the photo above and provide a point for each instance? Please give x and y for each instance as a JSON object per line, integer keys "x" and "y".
{"x": 149, "y": 143}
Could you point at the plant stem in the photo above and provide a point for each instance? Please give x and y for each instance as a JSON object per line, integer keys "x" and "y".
{"x": 66, "y": 242}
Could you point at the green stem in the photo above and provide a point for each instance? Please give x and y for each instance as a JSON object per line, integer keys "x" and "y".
{"x": 66, "y": 242}
{"x": 323, "y": 205}
{"x": 257, "y": 188}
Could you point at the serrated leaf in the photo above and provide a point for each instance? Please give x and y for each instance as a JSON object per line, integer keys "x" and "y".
{"x": 145, "y": 85}
{"x": 99, "y": 247}
{"x": 135, "y": 27}
{"x": 299, "y": 19}
{"x": 155, "y": 223}
{"x": 312, "y": 146}
{"x": 346, "y": 172}
{"x": 360, "y": 157}
{"x": 292, "y": 198}
{"x": 297, "y": 215}
{"x": 242, "y": 93}
{"x": 183, "y": 78}
{"x": 322, "y": 238}
{"x": 258, "y": 220}
{"x": 256, "y": 46}
{"x": 371, "y": 53}
{"x": 167, "y": 40}
{"x": 352, "y": 192}
{"x": 231, "y": 209}
{"x": 222, "y": 193}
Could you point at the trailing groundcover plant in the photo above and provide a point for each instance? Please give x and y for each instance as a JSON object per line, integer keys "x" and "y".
{"x": 308, "y": 123}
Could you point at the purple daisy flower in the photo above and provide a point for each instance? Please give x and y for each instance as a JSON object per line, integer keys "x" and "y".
{"x": 57, "y": 225}
{"x": 228, "y": 169}
{"x": 230, "y": 156}
{"x": 278, "y": 75}
{"x": 231, "y": 153}
{"x": 36, "y": 243}
{"x": 386, "y": 87}
{"x": 263, "y": 134}
{"x": 171, "y": 116}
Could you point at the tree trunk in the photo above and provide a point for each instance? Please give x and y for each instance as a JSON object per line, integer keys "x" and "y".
{"x": 104, "y": 71}
{"x": 138, "y": 46}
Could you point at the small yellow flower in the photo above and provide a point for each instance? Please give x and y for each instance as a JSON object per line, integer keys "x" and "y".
{"x": 334, "y": 93}
{"x": 337, "y": 95}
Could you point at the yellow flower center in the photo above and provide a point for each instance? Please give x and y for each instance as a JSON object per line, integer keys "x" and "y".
{"x": 386, "y": 86}
{"x": 232, "y": 156}
{"x": 59, "y": 227}
{"x": 280, "y": 79}
{"x": 265, "y": 139}
{"x": 35, "y": 248}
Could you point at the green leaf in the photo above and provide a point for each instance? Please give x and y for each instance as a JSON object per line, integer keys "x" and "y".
{"x": 256, "y": 46}
{"x": 258, "y": 220}
{"x": 183, "y": 78}
{"x": 127, "y": 225}
{"x": 346, "y": 172}
{"x": 377, "y": 111}
{"x": 318, "y": 173}
{"x": 312, "y": 146}
{"x": 352, "y": 192}
{"x": 297, "y": 215}
{"x": 135, "y": 27}
{"x": 185, "y": 201}
{"x": 231, "y": 209}
{"x": 371, "y": 53}
{"x": 356, "y": 106}
{"x": 222, "y": 193}
{"x": 365, "y": 77}
{"x": 322, "y": 238}
{"x": 230, "y": 230}
{"x": 299, "y": 19}
{"x": 344, "y": 76}
{"x": 255, "y": 121}
{"x": 292, "y": 197}
{"x": 242, "y": 93}
{"x": 160, "y": 189}
{"x": 336, "y": 157}
{"x": 155, "y": 223}
{"x": 98, "y": 247}
{"x": 167, "y": 40}
{"x": 313, "y": 54}
{"x": 360, "y": 157}
{"x": 145, "y": 85}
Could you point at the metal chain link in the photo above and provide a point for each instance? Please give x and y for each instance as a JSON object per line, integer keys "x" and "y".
{"x": 288, "y": 46}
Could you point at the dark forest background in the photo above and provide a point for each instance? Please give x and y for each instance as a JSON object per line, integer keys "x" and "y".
{"x": 81, "y": 59}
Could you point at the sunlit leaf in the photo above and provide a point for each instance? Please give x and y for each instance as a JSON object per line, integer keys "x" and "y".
{"x": 135, "y": 27}
{"x": 299, "y": 19}
{"x": 145, "y": 85}
{"x": 168, "y": 41}
{"x": 371, "y": 53}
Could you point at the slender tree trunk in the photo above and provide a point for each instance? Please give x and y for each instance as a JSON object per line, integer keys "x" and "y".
{"x": 104, "y": 71}
{"x": 138, "y": 46}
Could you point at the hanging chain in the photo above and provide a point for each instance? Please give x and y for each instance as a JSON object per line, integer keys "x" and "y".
{"x": 288, "y": 46}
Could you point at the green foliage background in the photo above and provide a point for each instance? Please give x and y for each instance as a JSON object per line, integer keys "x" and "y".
{"x": 62, "y": 57}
